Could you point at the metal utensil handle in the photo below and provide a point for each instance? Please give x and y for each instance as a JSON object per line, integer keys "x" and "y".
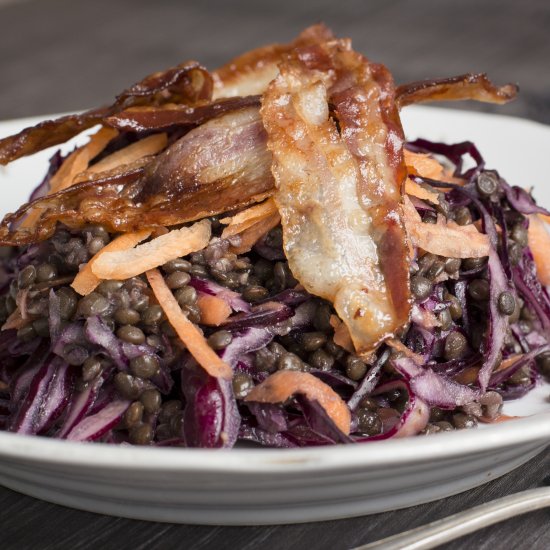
{"x": 455, "y": 526}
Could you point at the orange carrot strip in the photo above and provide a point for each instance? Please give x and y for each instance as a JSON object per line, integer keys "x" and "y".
{"x": 444, "y": 238}
{"x": 342, "y": 337}
{"x": 412, "y": 188}
{"x": 539, "y": 243}
{"x": 278, "y": 387}
{"x": 249, "y": 217}
{"x": 214, "y": 310}
{"x": 189, "y": 334}
{"x": 249, "y": 237}
{"x": 15, "y": 320}
{"x": 85, "y": 282}
{"x": 150, "y": 145}
{"x": 423, "y": 165}
{"x": 174, "y": 244}
{"x": 500, "y": 418}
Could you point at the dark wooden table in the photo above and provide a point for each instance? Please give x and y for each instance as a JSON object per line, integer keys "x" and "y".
{"x": 61, "y": 55}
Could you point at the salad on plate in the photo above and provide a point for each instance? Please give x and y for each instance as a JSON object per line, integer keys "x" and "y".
{"x": 257, "y": 254}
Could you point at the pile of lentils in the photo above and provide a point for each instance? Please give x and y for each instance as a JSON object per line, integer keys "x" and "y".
{"x": 31, "y": 274}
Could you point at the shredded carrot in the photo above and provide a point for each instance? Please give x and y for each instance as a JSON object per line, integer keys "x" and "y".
{"x": 247, "y": 218}
{"x": 497, "y": 420}
{"x": 278, "y": 387}
{"x": 539, "y": 243}
{"x": 85, "y": 282}
{"x": 444, "y": 238}
{"x": 150, "y": 145}
{"x": 423, "y": 165}
{"x": 174, "y": 244}
{"x": 397, "y": 345}
{"x": 214, "y": 310}
{"x": 189, "y": 334}
{"x": 416, "y": 190}
{"x": 249, "y": 237}
{"x": 15, "y": 320}
{"x": 73, "y": 165}
{"x": 342, "y": 337}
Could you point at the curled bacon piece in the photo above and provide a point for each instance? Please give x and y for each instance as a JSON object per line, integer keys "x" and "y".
{"x": 221, "y": 165}
{"x": 465, "y": 86}
{"x": 251, "y": 72}
{"x": 187, "y": 83}
{"x": 339, "y": 191}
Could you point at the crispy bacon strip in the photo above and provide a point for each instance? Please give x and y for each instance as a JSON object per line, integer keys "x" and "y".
{"x": 251, "y": 72}
{"x": 339, "y": 193}
{"x": 219, "y": 166}
{"x": 465, "y": 86}
{"x": 186, "y": 83}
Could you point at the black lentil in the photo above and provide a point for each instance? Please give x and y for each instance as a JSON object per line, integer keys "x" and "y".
{"x": 463, "y": 421}
{"x": 321, "y": 360}
{"x": 45, "y": 272}
{"x": 445, "y": 319}
{"x": 168, "y": 409}
{"x": 255, "y": 293}
{"x": 469, "y": 264}
{"x": 176, "y": 424}
{"x": 455, "y": 309}
{"x": 109, "y": 287}
{"x": 26, "y": 333}
{"x": 312, "y": 341}
{"x": 127, "y": 385}
{"x": 321, "y": 320}
{"x": 93, "y": 304}
{"x": 368, "y": 422}
{"x": 289, "y": 361}
{"x": 478, "y": 289}
{"x": 355, "y": 368}
{"x": 421, "y": 287}
{"x": 506, "y": 303}
{"x": 95, "y": 245}
{"x": 91, "y": 369}
{"x": 436, "y": 414}
{"x": 335, "y": 350}
{"x": 263, "y": 269}
{"x": 153, "y": 315}
{"x": 368, "y": 403}
{"x": 186, "y": 296}
{"x": 179, "y": 264}
{"x": 177, "y": 279}
{"x": 26, "y": 276}
{"x": 456, "y": 346}
{"x": 127, "y": 316}
{"x": 474, "y": 409}
{"x": 435, "y": 270}
{"x": 463, "y": 216}
{"x": 144, "y": 366}
{"x": 242, "y": 384}
{"x": 520, "y": 378}
{"x": 486, "y": 184}
{"x": 131, "y": 334}
{"x": 220, "y": 339}
{"x": 151, "y": 401}
{"x": 41, "y": 327}
{"x": 133, "y": 414}
{"x": 515, "y": 253}
{"x": 74, "y": 354}
{"x": 193, "y": 312}
{"x": 452, "y": 265}
{"x": 519, "y": 234}
{"x": 198, "y": 271}
{"x": 141, "y": 434}
{"x": 543, "y": 363}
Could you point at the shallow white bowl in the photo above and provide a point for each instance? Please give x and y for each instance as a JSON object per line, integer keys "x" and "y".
{"x": 263, "y": 486}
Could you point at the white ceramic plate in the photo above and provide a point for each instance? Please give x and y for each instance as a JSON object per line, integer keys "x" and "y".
{"x": 262, "y": 486}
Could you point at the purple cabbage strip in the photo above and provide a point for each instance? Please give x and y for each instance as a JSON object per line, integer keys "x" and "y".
{"x": 211, "y": 418}
{"x": 521, "y": 200}
{"x": 97, "y": 425}
{"x": 369, "y": 382}
{"x": 435, "y": 389}
{"x": 320, "y": 422}
{"x": 270, "y": 417}
{"x": 101, "y": 335}
{"x": 251, "y": 339}
{"x": 265, "y": 438}
{"x": 81, "y": 403}
{"x": 261, "y": 315}
{"x": 232, "y": 298}
{"x": 501, "y": 376}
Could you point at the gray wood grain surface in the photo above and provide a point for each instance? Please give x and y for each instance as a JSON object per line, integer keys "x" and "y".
{"x": 61, "y": 55}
